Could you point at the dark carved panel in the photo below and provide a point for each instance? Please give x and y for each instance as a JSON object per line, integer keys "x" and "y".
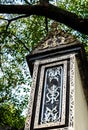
{"x": 52, "y": 95}
{"x": 52, "y": 102}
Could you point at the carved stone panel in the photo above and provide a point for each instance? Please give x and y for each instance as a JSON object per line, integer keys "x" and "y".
{"x": 52, "y": 96}
{"x": 58, "y": 39}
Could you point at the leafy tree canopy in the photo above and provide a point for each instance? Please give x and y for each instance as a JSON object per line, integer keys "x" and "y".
{"x": 20, "y": 33}
{"x": 10, "y": 116}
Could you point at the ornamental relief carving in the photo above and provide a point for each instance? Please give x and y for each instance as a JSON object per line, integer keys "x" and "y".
{"x": 57, "y": 39}
{"x": 52, "y": 115}
{"x": 52, "y": 42}
{"x": 51, "y": 107}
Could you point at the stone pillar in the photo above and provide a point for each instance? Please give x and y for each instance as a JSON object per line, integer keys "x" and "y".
{"x": 58, "y": 98}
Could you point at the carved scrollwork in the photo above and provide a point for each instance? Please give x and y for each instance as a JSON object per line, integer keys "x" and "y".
{"x": 52, "y": 42}
{"x": 52, "y": 103}
{"x": 55, "y": 39}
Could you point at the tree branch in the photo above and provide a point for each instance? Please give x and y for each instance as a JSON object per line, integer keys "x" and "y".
{"x": 20, "y": 42}
{"x": 27, "y": 2}
{"x": 49, "y": 11}
{"x": 13, "y": 19}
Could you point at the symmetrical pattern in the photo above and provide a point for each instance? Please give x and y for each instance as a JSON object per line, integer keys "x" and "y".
{"x": 52, "y": 72}
{"x": 53, "y": 69}
{"x": 59, "y": 38}
{"x": 52, "y": 95}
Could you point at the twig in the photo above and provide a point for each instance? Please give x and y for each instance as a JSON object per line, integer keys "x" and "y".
{"x": 46, "y": 23}
{"x": 16, "y": 18}
{"x": 13, "y": 19}
{"x": 21, "y": 42}
{"x": 4, "y": 19}
{"x": 16, "y": 38}
{"x": 27, "y": 2}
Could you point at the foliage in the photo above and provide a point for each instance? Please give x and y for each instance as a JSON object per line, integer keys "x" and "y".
{"x": 16, "y": 41}
{"x": 20, "y": 38}
{"x": 79, "y": 7}
{"x": 11, "y": 116}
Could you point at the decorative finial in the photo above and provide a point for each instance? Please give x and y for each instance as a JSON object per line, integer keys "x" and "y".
{"x": 54, "y": 26}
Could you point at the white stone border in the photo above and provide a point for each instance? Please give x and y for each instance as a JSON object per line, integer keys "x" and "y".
{"x": 31, "y": 101}
{"x": 72, "y": 89}
{"x": 36, "y": 125}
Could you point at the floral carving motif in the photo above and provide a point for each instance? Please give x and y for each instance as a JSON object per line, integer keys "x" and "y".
{"x": 52, "y": 42}
{"x": 52, "y": 103}
{"x": 51, "y": 98}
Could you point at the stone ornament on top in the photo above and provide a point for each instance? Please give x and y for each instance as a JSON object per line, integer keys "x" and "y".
{"x": 56, "y": 38}
{"x": 57, "y": 64}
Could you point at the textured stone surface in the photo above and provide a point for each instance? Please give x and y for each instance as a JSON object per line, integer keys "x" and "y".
{"x": 57, "y": 49}
{"x": 47, "y": 63}
{"x": 54, "y": 40}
